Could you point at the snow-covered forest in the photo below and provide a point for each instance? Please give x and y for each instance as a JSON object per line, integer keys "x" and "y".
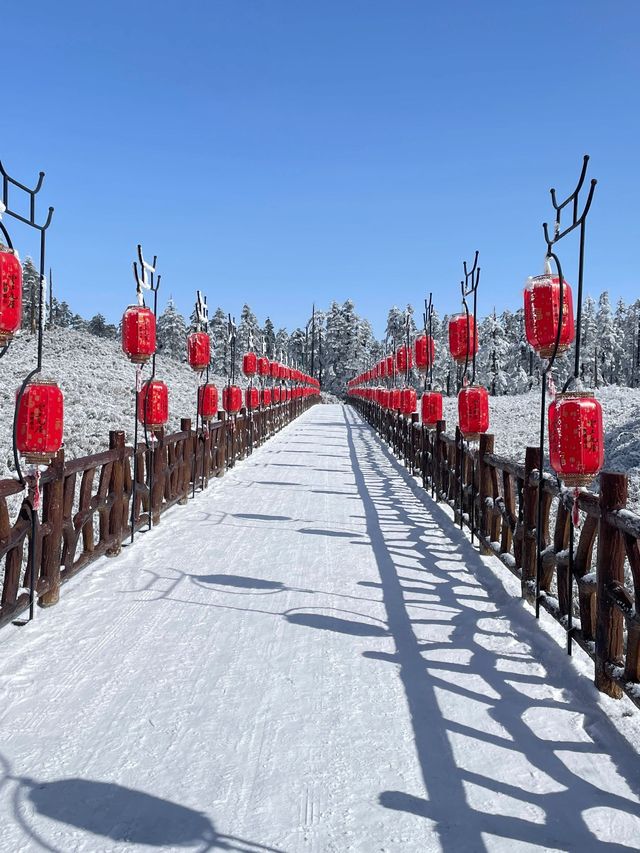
{"x": 337, "y": 344}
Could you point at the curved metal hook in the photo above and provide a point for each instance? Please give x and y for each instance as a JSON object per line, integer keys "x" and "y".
{"x": 583, "y": 174}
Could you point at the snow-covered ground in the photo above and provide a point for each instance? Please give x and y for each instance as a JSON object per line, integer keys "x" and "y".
{"x": 515, "y": 422}
{"x": 338, "y": 671}
{"x": 98, "y": 383}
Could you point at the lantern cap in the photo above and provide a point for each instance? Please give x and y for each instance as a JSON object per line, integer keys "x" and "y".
{"x": 543, "y": 278}
{"x": 575, "y": 395}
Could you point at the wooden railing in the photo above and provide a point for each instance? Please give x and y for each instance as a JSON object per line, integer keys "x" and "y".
{"x": 86, "y": 502}
{"x": 497, "y": 499}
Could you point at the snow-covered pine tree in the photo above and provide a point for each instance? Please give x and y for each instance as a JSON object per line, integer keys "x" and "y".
{"x": 607, "y": 337}
{"x": 269, "y": 336}
{"x": 621, "y": 374}
{"x": 248, "y": 330}
{"x": 30, "y": 290}
{"x": 295, "y": 348}
{"x": 172, "y": 332}
{"x": 492, "y": 355}
{"x": 280, "y": 345}
{"x": 589, "y": 335}
{"x": 218, "y": 334}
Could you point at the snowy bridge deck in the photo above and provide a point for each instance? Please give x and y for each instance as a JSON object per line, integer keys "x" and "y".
{"x": 309, "y": 657}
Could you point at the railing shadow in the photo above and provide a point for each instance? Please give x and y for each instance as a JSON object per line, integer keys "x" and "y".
{"x": 484, "y": 711}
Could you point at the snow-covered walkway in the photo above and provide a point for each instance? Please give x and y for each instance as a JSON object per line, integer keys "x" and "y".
{"x": 308, "y": 657}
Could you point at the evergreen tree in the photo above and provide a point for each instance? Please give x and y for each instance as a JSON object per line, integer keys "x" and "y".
{"x": 172, "y": 333}
{"x": 607, "y": 337}
{"x": 280, "y": 345}
{"x": 218, "y": 333}
{"x": 589, "y": 340}
{"x": 97, "y": 325}
{"x": 30, "y": 295}
{"x": 249, "y": 334}
{"x": 269, "y": 336}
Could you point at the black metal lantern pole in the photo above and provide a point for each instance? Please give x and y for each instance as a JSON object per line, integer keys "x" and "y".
{"x": 250, "y": 407}
{"x": 407, "y": 335}
{"x": 145, "y": 278}
{"x": 469, "y": 287}
{"x": 231, "y": 379}
{"x": 201, "y": 325}
{"x": 8, "y": 184}
{"x": 577, "y": 220}
{"x": 428, "y": 383}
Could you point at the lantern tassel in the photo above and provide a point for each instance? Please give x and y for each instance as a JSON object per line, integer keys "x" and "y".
{"x": 551, "y": 387}
{"x": 35, "y": 493}
{"x": 575, "y": 510}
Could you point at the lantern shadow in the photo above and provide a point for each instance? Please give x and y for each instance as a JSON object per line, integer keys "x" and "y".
{"x": 111, "y": 811}
{"x": 336, "y": 624}
{"x": 240, "y": 582}
{"x": 338, "y": 534}
{"x": 260, "y": 517}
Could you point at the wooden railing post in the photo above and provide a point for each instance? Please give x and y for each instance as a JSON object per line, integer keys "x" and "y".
{"x": 158, "y": 460}
{"x": 222, "y": 442}
{"x": 458, "y": 506}
{"x": 609, "y": 571}
{"x": 438, "y": 458}
{"x": 415, "y": 417}
{"x": 532, "y": 462}
{"x": 484, "y": 486}
{"x": 119, "y": 509}
{"x": 52, "y": 542}
{"x": 188, "y": 466}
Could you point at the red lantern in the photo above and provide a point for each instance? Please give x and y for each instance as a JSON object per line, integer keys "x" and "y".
{"x": 153, "y": 404}
{"x": 207, "y": 401}
{"x": 10, "y": 296}
{"x": 391, "y": 365}
{"x": 404, "y": 359}
{"x": 198, "y": 350}
{"x": 266, "y": 396}
{"x": 408, "y": 401}
{"x": 384, "y": 398}
{"x": 542, "y": 311}
{"x": 463, "y": 340}
{"x": 249, "y": 363}
{"x": 274, "y": 370}
{"x": 275, "y": 394}
{"x": 473, "y": 411}
{"x": 425, "y": 352}
{"x": 138, "y": 333}
{"x": 282, "y": 372}
{"x": 251, "y": 397}
{"x": 231, "y": 399}
{"x": 431, "y": 406}
{"x": 40, "y": 422}
{"x": 382, "y": 368}
{"x": 576, "y": 443}
{"x": 263, "y": 366}
{"x": 395, "y": 399}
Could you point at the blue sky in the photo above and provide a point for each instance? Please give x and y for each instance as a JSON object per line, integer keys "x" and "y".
{"x": 279, "y": 152}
